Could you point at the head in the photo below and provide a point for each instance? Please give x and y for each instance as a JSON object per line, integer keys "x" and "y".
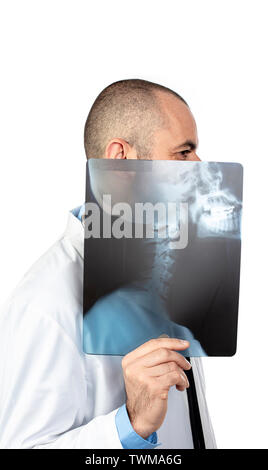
{"x": 137, "y": 119}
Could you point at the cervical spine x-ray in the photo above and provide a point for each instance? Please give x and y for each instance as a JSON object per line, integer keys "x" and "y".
{"x": 162, "y": 255}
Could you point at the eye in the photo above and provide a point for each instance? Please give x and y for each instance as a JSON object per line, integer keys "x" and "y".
{"x": 184, "y": 154}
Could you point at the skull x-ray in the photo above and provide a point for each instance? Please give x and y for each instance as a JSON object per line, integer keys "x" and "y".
{"x": 162, "y": 255}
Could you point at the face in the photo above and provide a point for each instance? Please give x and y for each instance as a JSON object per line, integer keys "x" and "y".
{"x": 177, "y": 140}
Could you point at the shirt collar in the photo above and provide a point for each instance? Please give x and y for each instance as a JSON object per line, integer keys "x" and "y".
{"x": 79, "y": 212}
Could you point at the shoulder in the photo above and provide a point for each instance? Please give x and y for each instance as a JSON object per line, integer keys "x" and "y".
{"x": 52, "y": 287}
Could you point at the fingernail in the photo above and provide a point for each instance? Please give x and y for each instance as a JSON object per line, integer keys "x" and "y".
{"x": 183, "y": 342}
{"x": 183, "y": 378}
{"x": 185, "y": 381}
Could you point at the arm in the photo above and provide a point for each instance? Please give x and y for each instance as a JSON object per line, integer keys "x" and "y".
{"x": 44, "y": 399}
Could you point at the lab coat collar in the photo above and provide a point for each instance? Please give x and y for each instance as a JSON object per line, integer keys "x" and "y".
{"x": 75, "y": 233}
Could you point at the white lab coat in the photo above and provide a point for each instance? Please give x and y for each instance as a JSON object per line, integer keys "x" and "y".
{"x": 52, "y": 395}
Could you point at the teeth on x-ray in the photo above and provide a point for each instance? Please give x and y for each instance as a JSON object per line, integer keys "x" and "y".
{"x": 219, "y": 215}
{"x": 216, "y": 210}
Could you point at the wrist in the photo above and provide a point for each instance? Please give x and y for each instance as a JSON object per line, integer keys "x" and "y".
{"x": 141, "y": 430}
{"x": 139, "y": 427}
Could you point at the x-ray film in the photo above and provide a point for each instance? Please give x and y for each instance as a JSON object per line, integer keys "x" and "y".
{"x": 162, "y": 255}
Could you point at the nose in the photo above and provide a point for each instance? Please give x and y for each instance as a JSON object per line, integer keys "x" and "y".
{"x": 195, "y": 158}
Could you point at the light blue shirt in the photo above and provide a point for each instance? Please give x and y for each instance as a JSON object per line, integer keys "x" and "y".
{"x": 128, "y": 437}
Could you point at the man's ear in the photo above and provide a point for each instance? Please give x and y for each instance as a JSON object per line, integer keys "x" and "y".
{"x": 119, "y": 149}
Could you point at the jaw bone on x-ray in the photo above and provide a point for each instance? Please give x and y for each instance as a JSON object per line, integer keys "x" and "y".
{"x": 162, "y": 255}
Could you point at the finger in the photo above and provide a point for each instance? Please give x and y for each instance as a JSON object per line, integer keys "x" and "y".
{"x": 154, "y": 344}
{"x": 163, "y": 369}
{"x": 181, "y": 388}
{"x": 177, "y": 378}
{"x": 162, "y": 356}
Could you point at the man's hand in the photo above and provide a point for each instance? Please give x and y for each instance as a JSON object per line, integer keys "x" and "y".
{"x": 149, "y": 372}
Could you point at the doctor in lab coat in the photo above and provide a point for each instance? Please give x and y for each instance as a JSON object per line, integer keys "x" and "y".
{"x": 52, "y": 395}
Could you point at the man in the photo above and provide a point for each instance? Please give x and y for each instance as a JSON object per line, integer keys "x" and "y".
{"x": 52, "y": 394}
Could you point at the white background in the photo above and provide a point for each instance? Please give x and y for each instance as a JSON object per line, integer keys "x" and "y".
{"x": 56, "y": 56}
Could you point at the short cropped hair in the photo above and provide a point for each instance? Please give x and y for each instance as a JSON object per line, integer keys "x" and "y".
{"x": 127, "y": 109}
